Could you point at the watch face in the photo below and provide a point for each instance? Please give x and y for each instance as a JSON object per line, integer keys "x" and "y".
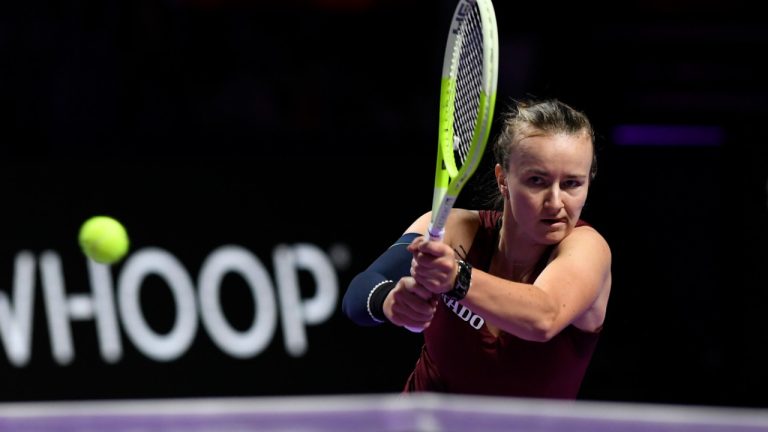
{"x": 463, "y": 280}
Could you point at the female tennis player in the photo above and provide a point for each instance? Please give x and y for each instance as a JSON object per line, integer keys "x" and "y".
{"x": 512, "y": 301}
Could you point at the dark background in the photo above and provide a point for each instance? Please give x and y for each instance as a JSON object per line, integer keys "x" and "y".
{"x": 201, "y": 123}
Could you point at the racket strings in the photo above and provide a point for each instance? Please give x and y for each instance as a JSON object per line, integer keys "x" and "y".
{"x": 469, "y": 82}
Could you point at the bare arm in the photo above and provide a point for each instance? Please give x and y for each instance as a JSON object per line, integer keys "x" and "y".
{"x": 571, "y": 289}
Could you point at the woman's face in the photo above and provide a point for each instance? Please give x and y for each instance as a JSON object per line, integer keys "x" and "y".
{"x": 547, "y": 180}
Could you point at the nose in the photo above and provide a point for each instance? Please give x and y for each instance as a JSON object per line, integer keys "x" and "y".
{"x": 553, "y": 200}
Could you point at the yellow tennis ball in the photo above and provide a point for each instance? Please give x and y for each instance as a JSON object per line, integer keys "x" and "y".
{"x": 103, "y": 239}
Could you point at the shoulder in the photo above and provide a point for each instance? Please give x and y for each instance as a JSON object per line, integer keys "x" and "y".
{"x": 461, "y": 226}
{"x": 458, "y": 218}
{"x": 486, "y": 218}
{"x": 585, "y": 237}
{"x": 461, "y": 216}
{"x": 461, "y": 219}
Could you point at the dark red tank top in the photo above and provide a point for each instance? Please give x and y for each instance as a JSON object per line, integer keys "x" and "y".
{"x": 460, "y": 355}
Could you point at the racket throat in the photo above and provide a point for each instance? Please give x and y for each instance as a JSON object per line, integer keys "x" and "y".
{"x": 436, "y": 230}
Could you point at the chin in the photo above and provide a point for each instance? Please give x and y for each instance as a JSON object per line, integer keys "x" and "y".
{"x": 551, "y": 239}
{"x": 554, "y": 236}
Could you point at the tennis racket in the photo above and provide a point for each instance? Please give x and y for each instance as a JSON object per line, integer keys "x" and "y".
{"x": 467, "y": 99}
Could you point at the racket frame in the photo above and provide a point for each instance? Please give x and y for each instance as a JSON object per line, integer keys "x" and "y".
{"x": 449, "y": 180}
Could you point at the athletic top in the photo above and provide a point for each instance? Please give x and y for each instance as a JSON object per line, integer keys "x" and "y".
{"x": 460, "y": 355}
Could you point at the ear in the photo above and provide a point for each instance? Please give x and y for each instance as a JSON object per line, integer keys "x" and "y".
{"x": 501, "y": 179}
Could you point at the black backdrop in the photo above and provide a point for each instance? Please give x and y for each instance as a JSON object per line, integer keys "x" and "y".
{"x": 263, "y": 124}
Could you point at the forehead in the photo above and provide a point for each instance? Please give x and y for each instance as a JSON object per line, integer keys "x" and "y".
{"x": 554, "y": 150}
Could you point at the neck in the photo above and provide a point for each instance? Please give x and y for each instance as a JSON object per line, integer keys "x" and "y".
{"x": 517, "y": 256}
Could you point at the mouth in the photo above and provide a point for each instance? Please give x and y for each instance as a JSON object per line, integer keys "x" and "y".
{"x": 554, "y": 221}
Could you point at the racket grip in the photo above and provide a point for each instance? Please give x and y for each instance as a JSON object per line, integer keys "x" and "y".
{"x": 415, "y": 329}
{"x": 435, "y": 236}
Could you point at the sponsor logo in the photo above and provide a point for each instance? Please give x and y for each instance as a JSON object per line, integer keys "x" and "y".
{"x": 113, "y": 304}
{"x": 463, "y": 312}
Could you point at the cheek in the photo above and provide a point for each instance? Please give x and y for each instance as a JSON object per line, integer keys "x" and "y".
{"x": 576, "y": 203}
{"x": 522, "y": 203}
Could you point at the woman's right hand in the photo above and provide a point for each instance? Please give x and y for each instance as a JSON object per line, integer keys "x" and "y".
{"x": 410, "y": 304}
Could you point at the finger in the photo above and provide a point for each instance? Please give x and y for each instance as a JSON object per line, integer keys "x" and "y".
{"x": 419, "y": 290}
{"x": 417, "y": 327}
{"x": 403, "y": 319}
{"x": 424, "y": 293}
{"x": 433, "y": 262}
{"x": 426, "y": 265}
{"x": 406, "y": 321}
{"x": 429, "y": 281}
{"x": 433, "y": 277}
{"x": 434, "y": 248}
{"x": 415, "y": 244}
{"x": 414, "y": 308}
{"x": 429, "y": 287}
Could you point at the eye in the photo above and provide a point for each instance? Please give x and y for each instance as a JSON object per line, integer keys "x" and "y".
{"x": 536, "y": 181}
{"x": 572, "y": 184}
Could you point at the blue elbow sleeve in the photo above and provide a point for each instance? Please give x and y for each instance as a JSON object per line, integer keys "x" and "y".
{"x": 365, "y": 295}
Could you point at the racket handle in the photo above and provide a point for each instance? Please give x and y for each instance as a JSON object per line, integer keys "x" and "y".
{"x": 435, "y": 236}
{"x": 415, "y": 329}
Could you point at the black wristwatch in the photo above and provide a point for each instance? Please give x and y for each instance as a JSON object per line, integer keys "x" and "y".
{"x": 463, "y": 281}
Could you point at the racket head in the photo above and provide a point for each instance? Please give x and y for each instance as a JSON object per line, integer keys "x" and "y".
{"x": 467, "y": 101}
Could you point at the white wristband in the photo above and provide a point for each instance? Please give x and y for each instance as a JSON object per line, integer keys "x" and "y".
{"x": 368, "y": 301}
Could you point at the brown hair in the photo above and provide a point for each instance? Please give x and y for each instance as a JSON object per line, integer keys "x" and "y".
{"x": 548, "y": 116}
